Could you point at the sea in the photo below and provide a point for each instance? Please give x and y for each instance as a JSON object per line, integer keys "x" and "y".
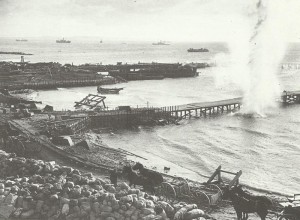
{"x": 266, "y": 149}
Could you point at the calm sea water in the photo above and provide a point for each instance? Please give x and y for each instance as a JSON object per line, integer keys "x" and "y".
{"x": 266, "y": 149}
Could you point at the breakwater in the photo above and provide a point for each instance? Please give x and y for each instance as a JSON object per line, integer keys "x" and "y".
{"x": 58, "y": 84}
{"x": 25, "y": 75}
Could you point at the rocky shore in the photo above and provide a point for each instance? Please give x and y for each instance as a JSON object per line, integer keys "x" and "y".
{"x": 35, "y": 189}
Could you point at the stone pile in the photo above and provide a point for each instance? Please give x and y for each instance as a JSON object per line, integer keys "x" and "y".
{"x": 34, "y": 189}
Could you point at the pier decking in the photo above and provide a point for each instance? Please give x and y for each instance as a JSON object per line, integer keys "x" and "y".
{"x": 204, "y": 108}
{"x": 128, "y": 117}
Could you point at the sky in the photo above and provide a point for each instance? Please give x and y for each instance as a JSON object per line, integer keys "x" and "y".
{"x": 142, "y": 20}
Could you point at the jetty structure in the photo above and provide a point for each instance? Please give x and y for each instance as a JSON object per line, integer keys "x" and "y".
{"x": 126, "y": 116}
{"x": 25, "y": 75}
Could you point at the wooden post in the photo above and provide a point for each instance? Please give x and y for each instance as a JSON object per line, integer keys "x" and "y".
{"x": 235, "y": 179}
{"x": 217, "y": 172}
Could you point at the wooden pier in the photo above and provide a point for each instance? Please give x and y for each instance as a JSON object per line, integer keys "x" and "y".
{"x": 204, "y": 109}
{"x": 169, "y": 114}
{"x": 290, "y": 66}
{"x": 127, "y": 117}
{"x": 291, "y": 97}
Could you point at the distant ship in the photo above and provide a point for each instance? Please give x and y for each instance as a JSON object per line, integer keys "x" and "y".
{"x": 63, "y": 41}
{"x": 160, "y": 43}
{"x": 101, "y": 41}
{"x": 24, "y": 40}
{"x": 198, "y": 50}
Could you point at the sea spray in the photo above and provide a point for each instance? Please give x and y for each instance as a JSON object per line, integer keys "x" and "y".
{"x": 266, "y": 52}
{"x": 257, "y": 44}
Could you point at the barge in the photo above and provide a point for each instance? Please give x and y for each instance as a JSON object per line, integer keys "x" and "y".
{"x": 153, "y": 71}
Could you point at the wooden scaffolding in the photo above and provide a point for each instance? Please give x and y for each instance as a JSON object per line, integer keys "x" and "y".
{"x": 92, "y": 101}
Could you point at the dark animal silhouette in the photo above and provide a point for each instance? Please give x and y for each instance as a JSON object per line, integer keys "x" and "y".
{"x": 135, "y": 179}
{"x": 245, "y": 203}
{"x": 156, "y": 177}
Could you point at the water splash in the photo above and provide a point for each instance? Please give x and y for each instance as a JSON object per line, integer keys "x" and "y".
{"x": 265, "y": 54}
{"x": 257, "y": 46}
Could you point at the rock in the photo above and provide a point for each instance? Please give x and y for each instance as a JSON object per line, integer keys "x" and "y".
{"x": 6, "y": 210}
{"x": 11, "y": 199}
{"x": 65, "y": 209}
{"x": 27, "y": 214}
{"x": 126, "y": 199}
{"x": 53, "y": 192}
{"x": 39, "y": 206}
{"x": 195, "y": 213}
{"x": 2, "y": 198}
{"x": 149, "y": 217}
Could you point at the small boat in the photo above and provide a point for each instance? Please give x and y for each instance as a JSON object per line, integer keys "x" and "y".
{"x": 108, "y": 90}
{"x": 160, "y": 43}
{"x": 101, "y": 41}
{"x": 63, "y": 41}
{"x": 198, "y": 50}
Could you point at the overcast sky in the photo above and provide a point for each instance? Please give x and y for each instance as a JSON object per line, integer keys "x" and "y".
{"x": 151, "y": 20}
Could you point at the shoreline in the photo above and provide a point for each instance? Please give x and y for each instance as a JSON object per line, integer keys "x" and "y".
{"x": 260, "y": 190}
{"x": 223, "y": 210}
{"x": 93, "y": 166}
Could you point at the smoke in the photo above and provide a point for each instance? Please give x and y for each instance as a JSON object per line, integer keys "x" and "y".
{"x": 257, "y": 47}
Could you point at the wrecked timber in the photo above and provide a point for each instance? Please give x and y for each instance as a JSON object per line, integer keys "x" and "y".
{"x": 25, "y": 75}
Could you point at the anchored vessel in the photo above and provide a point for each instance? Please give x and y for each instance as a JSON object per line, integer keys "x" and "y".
{"x": 108, "y": 90}
{"x": 21, "y": 40}
{"x": 63, "y": 41}
{"x": 160, "y": 43}
{"x": 198, "y": 50}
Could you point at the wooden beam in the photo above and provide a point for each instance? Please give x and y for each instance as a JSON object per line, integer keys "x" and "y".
{"x": 217, "y": 171}
{"x": 235, "y": 179}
